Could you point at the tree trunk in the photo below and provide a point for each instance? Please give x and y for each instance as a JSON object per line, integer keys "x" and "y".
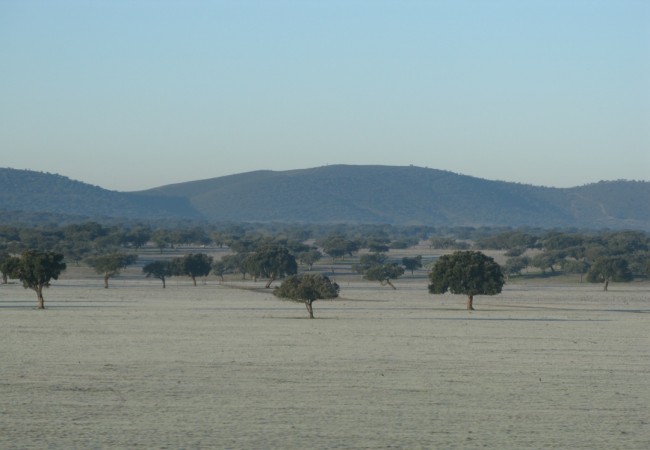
{"x": 106, "y": 277}
{"x": 193, "y": 279}
{"x": 606, "y": 285}
{"x": 390, "y": 284}
{"x": 470, "y": 303}
{"x": 310, "y": 309}
{"x": 271, "y": 280}
{"x": 41, "y": 301}
{"x": 163, "y": 280}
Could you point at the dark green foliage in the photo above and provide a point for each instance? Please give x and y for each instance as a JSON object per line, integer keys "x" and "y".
{"x": 575, "y": 266}
{"x": 546, "y": 260}
{"x": 239, "y": 262}
{"x": 442, "y": 243}
{"x": 515, "y": 265}
{"x": 337, "y": 246}
{"x": 466, "y": 272}
{"x": 158, "y": 269}
{"x": 273, "y": 262}
{"x": 309, "y": 257}
{"x": 377, "y": 246}
{"x": 609, "y": 269}
{"x": 111, "y": 264}
{"x": 307, "y": 288}
{"x": 412, "y": 264}
{"x": 368, "y": 260}
{"x": 8, "y": 266}
{"x": 219, "y": 269}
{"x": 384, "y": 273}
{"x": 35, "y": 269}
{"x": 508, "y": 240}
{"x": 192, "y": 265}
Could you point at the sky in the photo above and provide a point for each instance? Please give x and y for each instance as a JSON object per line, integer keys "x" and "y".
{"x": 131, "y": 95}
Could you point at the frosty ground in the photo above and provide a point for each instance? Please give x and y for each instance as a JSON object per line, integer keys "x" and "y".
{"x": 228, "y": 365}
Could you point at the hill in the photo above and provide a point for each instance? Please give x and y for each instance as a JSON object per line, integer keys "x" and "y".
{"x": 342, "y": 193}
{"x": 26, "y": 191}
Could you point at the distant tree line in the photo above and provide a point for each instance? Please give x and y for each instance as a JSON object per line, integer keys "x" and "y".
{"x": 277, "y": 251}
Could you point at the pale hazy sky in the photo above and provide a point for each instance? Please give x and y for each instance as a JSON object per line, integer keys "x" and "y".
{"x": 136, "y": 94}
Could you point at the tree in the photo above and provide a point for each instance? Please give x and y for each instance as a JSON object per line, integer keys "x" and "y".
{"x": 466, "y": 272}
{"x": 412, "y": 264}
{"x": 219, "y": 268}
{"x": 307, "y": 288}
{"x": 515, "y": 265}
{"x": 111, "y": 264}
{"x": 367, "y": 261}
{"x": 236, "y": 263}
{"x": 310, "y": 257}
{"x": 138, "y": 236}
{"x": 384, "y": 273}
{"x": 609, "y": 269}
{"x": 337, "y": 246}
{"x": 158, "y": 269}
{"x": 36, "y": 269}
{"x": 192, "y": 265}
{"x": 575, "y": 266}
{"x": 273, "y": 262}
{"x": 8, "y": 265}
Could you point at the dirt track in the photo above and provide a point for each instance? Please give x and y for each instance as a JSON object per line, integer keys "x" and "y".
{"x": 136, "y": 366}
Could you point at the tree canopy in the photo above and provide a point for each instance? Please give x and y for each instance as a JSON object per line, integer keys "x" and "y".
{"x": 307, "y": 288}
{"x": 466, "y": 272}
{"x": 158, "y": 269}
{"x": 609, "y": 269}
{"x": 192, "y": 265}
{"x": 35, "y": 269}
{"x": 111, "y": 264}
{"x": 273, "y": 262}
{"x": 384, "y": 273}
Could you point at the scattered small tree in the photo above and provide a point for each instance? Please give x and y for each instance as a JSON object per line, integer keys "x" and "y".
{"x": 273, "y": 262}
{"x": 219, "y": 269}
{"x": 412, "y": 264}
{"x": 8, "y": 265}
{"x": 192, "y": 265}
{"x": 384, "y": 273}
{"x": 158, "y": 269}
{"x": 307, "y": 288}
{"x": 609, "y": 269}
{"x": 515, "y": 265}
{"x": 36, "y": 269}
{"x": 310, "y": 257}
{"x": 110, "y": 265}
{"x": 466, "y": 272}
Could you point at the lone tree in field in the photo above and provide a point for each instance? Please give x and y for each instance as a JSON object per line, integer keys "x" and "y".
{"x": 273, "y": 262}
{"x": 608, "y": 269}
{"x": 110, "y": 265}
{"x": 307, "y": 288}
{"x": 158, "y": 269}
{"x": 466, "y": 272}
{"x": 192, "y": 265}
{"x": 384, "y": 273}
{"x": 412, "y": 264}
{"x": 36, "y": 269}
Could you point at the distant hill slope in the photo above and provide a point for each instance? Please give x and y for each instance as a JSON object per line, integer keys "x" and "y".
{"x": 342, "y": 193}
{"x": 411, "y": 195}
{"x": 29, "y": 191}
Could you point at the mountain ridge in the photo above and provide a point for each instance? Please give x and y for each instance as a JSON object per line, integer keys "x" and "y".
{"x": 343, "y": 193}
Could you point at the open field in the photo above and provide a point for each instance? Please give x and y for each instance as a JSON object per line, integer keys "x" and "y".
{"x": 215, "y": 366}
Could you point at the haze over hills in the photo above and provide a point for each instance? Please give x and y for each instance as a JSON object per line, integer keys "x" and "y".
{"x": 342, "y": 194}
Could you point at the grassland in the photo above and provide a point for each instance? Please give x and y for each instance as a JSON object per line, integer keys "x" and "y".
{"x": 547, "y": 364}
